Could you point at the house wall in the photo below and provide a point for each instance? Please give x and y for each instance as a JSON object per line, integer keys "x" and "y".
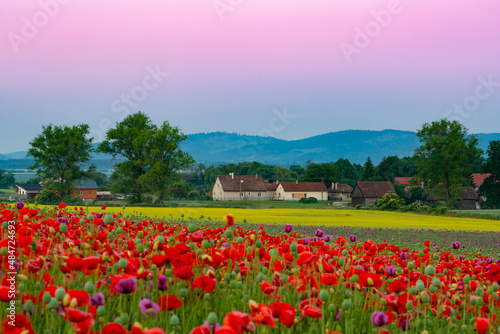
{"x": 85, "y": 193}
{"x": 220, "y": 195}
{"x": 282, "y": 195}
{"x": 467, "y": 205}
{"x": 339, "y": 196}
{"x": 363, "y": 201}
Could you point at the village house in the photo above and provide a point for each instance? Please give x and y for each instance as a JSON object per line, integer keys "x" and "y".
{"x": 367, "y": 193}
{"x": 478, "y": 179}
{"x": 239, "y": 188}
{"x": 339, "y": 192}
{"x": 468, "y": 200}
{"x": 294, "y": 191}
{"x": 85, "y": 189}
{"x": 28, "y": 190}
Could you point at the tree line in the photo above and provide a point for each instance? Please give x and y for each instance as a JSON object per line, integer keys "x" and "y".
{"x": 150, "y": 161}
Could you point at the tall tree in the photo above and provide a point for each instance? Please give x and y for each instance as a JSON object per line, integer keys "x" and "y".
{"x": 446, "y": 156}
{"x": 128, "y": 140}
{"x": 368, "y": 170}
{"x": 164, "y": 158}
{"x": 7, "y": 180}
{"x": 320, "y": 172}
{"x": 152, "y": 155}
{"x": 58, "y": 154}
{"x": 490, "y": 189}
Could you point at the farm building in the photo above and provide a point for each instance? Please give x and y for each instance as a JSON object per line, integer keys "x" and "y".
{"x": 28, "y": 190}
{"x": 468, "y": 200}
{"x": 478, "y": 179}
{"x": 339, "y": 192}
{"x": 367, "y": 193}
{"x": 86, "y": 189}
{"x": 240, "y": 188}
{"x": 290, "y": 191}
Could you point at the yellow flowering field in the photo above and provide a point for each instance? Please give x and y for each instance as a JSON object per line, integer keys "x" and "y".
{"x": 325, "y": 217}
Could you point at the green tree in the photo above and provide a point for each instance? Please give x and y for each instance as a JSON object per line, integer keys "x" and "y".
{"x": 152, "y": 155}
{"x": 7, "y": 180}
{"x": 320, "y": 172}
{"x": 58, "y": 154}
{"x": 446, "y": 156}
{"x": 128, "y": 140}
{"x": 368, "y": 170}
{"x": 164, "y": 158}
{"x": 490, "y": 189}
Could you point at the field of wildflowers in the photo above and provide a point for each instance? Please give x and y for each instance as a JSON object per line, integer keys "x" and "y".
{"x": 69, "y": 270}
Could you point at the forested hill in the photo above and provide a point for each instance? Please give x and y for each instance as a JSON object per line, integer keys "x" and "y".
{"x": 221, "y": 147}
{"x": 355, "y": 145}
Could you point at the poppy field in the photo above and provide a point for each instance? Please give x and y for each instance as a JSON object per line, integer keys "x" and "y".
{"x": 72, "y": 270}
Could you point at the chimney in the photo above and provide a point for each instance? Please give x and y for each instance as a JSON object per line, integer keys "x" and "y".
{"x": 333, "y": 185}
{"x": 277, "y": 182}
{"x": 256, "y": 176}
{"x": 232, "y": 176}
{"x": 336, "y": 185}
{"x": 296, "y": 181}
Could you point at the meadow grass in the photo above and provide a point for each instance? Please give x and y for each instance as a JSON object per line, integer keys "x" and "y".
{"x": 333, "y": 217}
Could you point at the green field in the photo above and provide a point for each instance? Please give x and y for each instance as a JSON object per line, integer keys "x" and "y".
{"x": 495, "y": 213}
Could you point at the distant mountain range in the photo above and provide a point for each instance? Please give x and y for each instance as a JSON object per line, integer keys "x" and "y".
{"x": 355, "y": 145}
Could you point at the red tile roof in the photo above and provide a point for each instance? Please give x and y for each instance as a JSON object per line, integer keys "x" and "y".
{"x": 272, "y": 186}
{"x": 375, "y": 189}
{"x": 404, "y": 180}
{"x": 478, "y": 178}
{"x": 250, "y": 183}
{"x": 304, "y": 186}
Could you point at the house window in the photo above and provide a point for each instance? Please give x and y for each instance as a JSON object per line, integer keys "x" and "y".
{"x": 81, "y": 193}
{"x": 259, "y": 194}
{"x": 293, "y": 195}
{"x": 241, "y": 194}
{"x": 348, "y": 195}
{"x": 90, "y": 192}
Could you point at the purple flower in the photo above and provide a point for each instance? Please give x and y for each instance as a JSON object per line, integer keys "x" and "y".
{"x": 461, "y": 257}
{"x": 149, "y": 308}
{"x": 455, "y": 245}
{"x": 100, "y": 214}
{"x": 212, "y": 328}
{"x": 379, "y": 318}
{"x": 338, "y": 315}
{"x": 391, "y": 271}
{"x": 288, "y": 228}
{"x": 489, "y": 260}
{"x": 97, "y": 299}
{"x": 403, "y": 255}
{"x": 319, "y": 233}
{"x": 162, "y": 283}
{"x": 19, "y": 205}
{"x": 327, "y": 238}
{"x": 306, "y": 241}
{"x": 353, "y": 238}
{"x": 126, "y": 285}
{"x": 405, "y": 325}
{"x": 63, "y": 220}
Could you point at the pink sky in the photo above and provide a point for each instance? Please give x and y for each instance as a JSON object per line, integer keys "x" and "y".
{"x": 90, "y": 52}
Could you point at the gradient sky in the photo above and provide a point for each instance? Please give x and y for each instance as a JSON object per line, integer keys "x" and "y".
{"x": 235, "y": 67}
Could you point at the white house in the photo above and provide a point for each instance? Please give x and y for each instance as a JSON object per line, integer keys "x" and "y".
{"x": 240, "y": 188}
{"x": 294, "y": 191}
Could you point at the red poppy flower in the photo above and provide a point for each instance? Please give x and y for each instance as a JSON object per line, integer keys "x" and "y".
{"x": 482, "y": 325}
{"x": 81, "y": 296}
{"x": 62, "y": 205}
{"x": 82, "y": 321}
{"x": 183, "y": 272}
{"x": 21, "y": 324}
{"x": 267, "y": 288}
{"x": 113, "y": 328}
{"x": 312, "y": 311}
{"x": 397, "y": 286}
{"x": 239, "y": 322}
{"x": 370, "y": 280}
{"x": 6, "y": 295}
{"x": 76, "y": 263}
{"x": 329, "y": 279}
{"x": 169, "y": 302}
{"x": 201, "y": 330}
{"x": 304, "y": 258}
{"x": 224, "y": 330}
{"x": 205, "y": 283}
